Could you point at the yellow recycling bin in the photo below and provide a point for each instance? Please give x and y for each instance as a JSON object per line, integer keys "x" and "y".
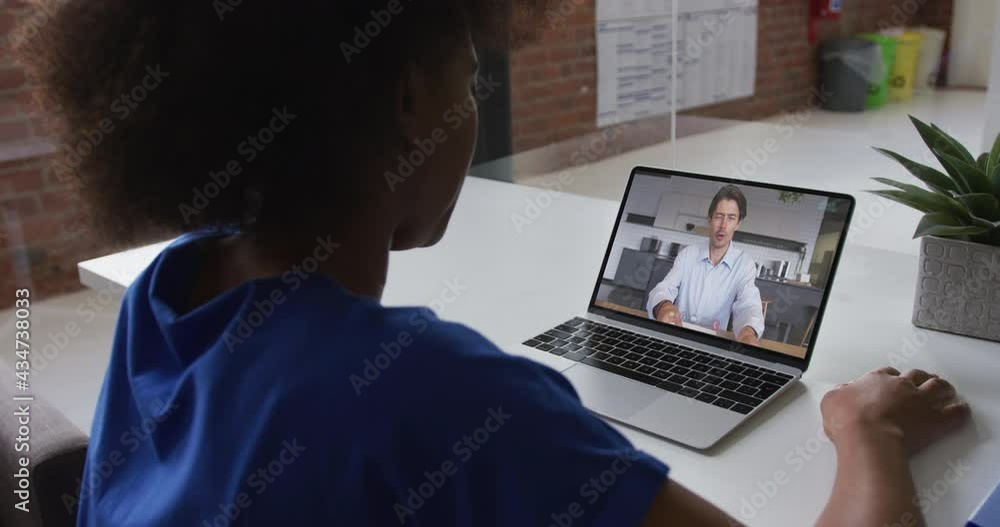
{"x": 904, "y": 73}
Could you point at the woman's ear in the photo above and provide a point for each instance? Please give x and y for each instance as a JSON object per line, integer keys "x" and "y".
{"x": 407, "y": 102}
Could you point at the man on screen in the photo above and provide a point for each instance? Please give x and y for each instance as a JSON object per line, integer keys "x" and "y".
{"x": 709, "y": 283}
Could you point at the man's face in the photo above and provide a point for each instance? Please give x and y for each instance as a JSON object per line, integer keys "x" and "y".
{"x": 724, "y": 222}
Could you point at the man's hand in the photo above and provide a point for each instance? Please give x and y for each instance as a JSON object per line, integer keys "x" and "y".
{"x": 668, "y": 313}
{"x": 747, "y": 335}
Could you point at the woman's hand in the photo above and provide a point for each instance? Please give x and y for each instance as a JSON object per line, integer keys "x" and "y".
{"x": 916, "y": 407}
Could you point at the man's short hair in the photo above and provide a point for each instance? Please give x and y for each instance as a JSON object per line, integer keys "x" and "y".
{"x": 731, "y": 192}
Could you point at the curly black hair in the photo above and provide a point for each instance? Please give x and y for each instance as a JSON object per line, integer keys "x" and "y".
{"x": 185, "y": 114}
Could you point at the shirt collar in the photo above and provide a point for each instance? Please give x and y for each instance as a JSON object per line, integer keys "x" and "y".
{"x": 729, "y": 259}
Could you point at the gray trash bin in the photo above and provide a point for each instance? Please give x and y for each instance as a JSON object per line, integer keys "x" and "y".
{"x": 847, "y": 67}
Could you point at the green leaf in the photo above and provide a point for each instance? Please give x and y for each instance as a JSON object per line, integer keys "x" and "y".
{"x": 941, "y": 218}
{"x": 893, "y": 183}
{"x": 932, "y": 177}
{"x": 994, "y": 161}
{"x": 932, "y": 201}
{"x": 980, "y": 222}
{"x": 967, "y": 175}
{"x": 945, "y": 226}
{"x": 984, "y": 162}
{"x": 923, "y": 200}
{"x": 996, "y": 180}
{"x": 965, "y": 153}
{"x": 985, "y": 206}
{"x": 901, "y": 197}
{"x": 937, "y": 139}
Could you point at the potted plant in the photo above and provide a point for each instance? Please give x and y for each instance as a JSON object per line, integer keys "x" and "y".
{"x": 958, "y": 284}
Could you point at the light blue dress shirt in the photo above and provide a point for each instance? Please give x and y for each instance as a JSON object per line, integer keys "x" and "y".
{"x": 706, "y": 293}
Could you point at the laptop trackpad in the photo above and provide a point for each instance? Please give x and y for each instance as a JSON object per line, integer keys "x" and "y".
{"x": 610, "y": 395}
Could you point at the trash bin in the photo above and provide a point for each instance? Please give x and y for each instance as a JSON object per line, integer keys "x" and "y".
{"x": 904, "y": 73}
{"x": 929, "y": 65}
{"x": 847, "y": 67}
{"x": 878, "y": 91}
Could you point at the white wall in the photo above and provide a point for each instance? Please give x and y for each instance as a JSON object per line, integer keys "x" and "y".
{"x": 973, "y": 25}
{"x": 666, "y": 199}
{"x": 992, "y": 127}
{"x": 686, "y": 201}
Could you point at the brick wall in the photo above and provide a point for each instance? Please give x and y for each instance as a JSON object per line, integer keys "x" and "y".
{"x": 554, "y": 80}
{"x": 43, "y": 233}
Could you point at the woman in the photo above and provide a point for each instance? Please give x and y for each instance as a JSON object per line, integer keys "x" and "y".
{"x": 269, "y": 133}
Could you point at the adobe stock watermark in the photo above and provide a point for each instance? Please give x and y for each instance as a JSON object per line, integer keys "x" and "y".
{"x": 390, "y": 351}
{"x": 786, "y": 299}
{"x": 98, "y": 471}
{"x": 292, "y": 279}
{"x": 258, "y": 481}
{"x": 787, "y": 125}
{"x": 424, "y": 148}
{"x": 593, "y": 489}
{"x": 224, "y": 7}
{"x": 713, "y": 29}
{"x": 558, "y": 16}
{"x": 86, "y": 312}
{"x": 796, "y": 459}
{"x": 965, "y": 298}
{"x": 363, "y": 35}
{"x": 928, "y": 495}
{"x": 64, "y": 168}
{"x": 902, "y": 16}
{"x": 29, "y": 26}
{"x": 866, "y": 217}
{"x": 250, "y": 148}
{"x": 554, "y": 185}
{"x": 436, "y": 478}
{"x": 910, "y": 348}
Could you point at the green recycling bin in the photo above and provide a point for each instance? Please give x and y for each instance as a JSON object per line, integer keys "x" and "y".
{"x": 878, "y": 91}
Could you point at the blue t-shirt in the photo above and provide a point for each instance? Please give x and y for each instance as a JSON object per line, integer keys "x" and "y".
{"x": 290, "y": 401}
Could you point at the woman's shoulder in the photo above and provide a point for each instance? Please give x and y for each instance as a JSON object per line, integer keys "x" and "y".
{"x": 432, "y": 346}
{"x": 407, "y": 353}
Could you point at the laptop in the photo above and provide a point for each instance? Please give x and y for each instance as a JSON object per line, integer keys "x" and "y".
{"x": 707, "y": 306}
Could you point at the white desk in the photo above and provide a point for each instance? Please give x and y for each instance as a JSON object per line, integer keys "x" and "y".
{"x": 519, "y": 283}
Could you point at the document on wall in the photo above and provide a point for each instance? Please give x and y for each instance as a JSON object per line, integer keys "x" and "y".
{"x": 717, "y": 55}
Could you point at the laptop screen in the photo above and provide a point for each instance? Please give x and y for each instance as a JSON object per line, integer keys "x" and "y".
{"x": 734, "y": 260}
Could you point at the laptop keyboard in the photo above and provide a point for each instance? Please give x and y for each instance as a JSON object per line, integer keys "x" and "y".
{"x": 712, "y": 379}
